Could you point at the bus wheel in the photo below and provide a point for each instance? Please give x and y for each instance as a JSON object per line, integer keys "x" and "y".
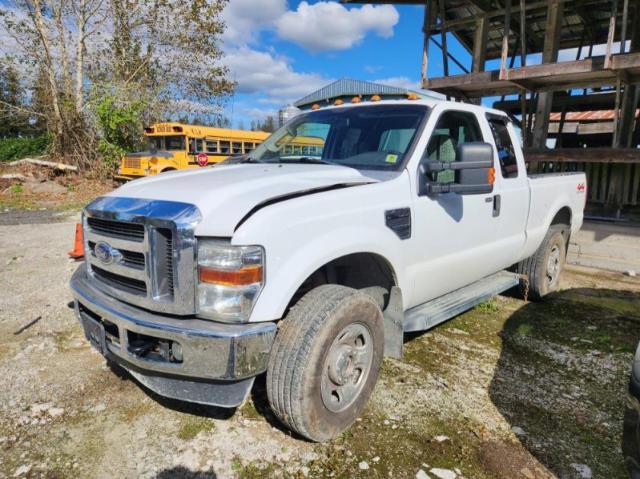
{"x": 168, "y": 169}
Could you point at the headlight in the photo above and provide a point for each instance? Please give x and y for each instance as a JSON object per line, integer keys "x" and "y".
{"x": 229, "y": 279}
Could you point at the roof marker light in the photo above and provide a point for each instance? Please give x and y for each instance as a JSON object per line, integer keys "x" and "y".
{"x": 315, "y": 106}
{"x": 356, "y": 99}
{"x": 338, "y": 102}
{"x": 375, "y": 98}
{"x": 412, "y": 96}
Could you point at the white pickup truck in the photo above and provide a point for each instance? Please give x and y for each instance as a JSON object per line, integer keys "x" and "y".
{"x": 310, "y": 265}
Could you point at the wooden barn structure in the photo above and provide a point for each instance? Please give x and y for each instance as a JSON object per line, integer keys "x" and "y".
{"x": 588, "y": 55}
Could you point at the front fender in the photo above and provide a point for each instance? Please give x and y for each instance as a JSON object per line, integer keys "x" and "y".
{"x": 287, "y": 268}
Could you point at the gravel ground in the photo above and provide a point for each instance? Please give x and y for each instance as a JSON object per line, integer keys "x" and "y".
{"x": 510, "y": 389}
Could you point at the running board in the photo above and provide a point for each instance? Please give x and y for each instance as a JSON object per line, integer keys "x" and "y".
{"x": 436, "y": 311}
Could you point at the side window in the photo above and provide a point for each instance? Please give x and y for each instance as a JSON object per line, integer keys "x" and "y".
{"x": 504, "y": 146}
{"x": 212, "y": 146}
{"x": 452, "y": 129}
{"x": 195, "y": 145}
{"x": 225, "y": 147}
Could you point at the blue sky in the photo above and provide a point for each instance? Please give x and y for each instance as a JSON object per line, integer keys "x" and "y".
{"x": 297, "y": 47}
{"x": 283, "y": 50}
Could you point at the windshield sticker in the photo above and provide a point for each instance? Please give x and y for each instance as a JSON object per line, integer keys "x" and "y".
{"x": 391, "y": 158}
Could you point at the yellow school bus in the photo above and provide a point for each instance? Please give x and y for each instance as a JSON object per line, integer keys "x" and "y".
{"x": 176, "y": 146}
{"x": 304, "y": 146}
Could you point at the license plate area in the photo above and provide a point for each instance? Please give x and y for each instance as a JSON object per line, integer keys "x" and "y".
{"x": 94, "y": 332}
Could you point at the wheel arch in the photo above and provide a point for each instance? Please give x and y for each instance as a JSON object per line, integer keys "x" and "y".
{"x": 563, "y": 218}
{"x": 357, "y": 270}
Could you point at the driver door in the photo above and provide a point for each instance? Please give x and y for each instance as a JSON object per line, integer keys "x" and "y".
{"x": 455, "y": 234}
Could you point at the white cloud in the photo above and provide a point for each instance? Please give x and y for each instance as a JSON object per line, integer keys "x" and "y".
{"x": 400, "y": 82}
{"x": 327, "y": 26}
{"x": 262, "y": 72}
{"x": 244, "y": 19}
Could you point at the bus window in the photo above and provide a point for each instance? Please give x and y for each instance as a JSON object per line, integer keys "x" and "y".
{"x": 174, "y": 143}
{"x": 224, "y": 147}
{"x": 195, "y": 145}
{"x": 212, "y": 146}
{"x": 237, "y": 148}
{"x": 248, "y": 147}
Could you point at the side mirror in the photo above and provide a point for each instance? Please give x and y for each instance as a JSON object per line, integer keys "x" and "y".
{"x": 474, "y": 171}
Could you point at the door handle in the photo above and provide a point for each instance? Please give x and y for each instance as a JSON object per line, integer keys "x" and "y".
{"x": 496, "y": 205}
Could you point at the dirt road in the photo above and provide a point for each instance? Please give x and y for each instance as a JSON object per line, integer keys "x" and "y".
{"x": 510, "y": 389}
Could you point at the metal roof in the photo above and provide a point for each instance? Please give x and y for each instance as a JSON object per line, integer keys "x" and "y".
{"x": 350, "y": 87}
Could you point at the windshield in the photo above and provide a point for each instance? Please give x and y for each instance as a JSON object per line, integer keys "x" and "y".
{"x": 364, "y": 137}
{"x": 166, "y": 143}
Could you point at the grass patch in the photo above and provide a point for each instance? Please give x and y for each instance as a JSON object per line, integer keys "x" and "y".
{"x": 191, "y": 426}
{"x": 487, "y": 307}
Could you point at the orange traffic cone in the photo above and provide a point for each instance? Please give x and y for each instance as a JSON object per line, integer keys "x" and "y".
{"x": 78, "y": 245}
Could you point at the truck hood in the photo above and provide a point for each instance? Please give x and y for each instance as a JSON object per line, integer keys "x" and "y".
{"x": 225, "y": 195}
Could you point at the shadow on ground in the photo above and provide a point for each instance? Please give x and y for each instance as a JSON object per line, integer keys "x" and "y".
{"x": 201, "y": 410}
{"x": 562, "y": 376}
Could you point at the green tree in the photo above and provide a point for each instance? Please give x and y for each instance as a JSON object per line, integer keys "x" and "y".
{"x": 14, "y": 112}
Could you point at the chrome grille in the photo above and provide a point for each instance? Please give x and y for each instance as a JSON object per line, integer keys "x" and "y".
{"x": 130, "y": 258}
{"x": 122, "y": 282}
{"x": 118, "y": 229}
{"x": 149, "y": 256}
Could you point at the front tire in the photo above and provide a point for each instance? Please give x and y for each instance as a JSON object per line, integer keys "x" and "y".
{"x": 325, "y": 361}
{"x": 544, "y": 268}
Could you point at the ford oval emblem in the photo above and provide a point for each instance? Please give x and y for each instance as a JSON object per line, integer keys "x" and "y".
{"x": 106, "y": 253}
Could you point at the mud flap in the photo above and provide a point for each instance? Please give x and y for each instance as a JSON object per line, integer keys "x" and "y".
{"x": 393, "y": 324}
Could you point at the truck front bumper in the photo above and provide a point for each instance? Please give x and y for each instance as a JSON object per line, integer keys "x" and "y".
{"x": 189, "y": 359}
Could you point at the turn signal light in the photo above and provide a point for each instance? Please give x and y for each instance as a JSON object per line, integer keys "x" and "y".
{"x": 238, "y": 277}
{"x": 491, "y": 176}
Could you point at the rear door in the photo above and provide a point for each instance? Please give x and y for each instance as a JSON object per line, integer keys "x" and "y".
{"x": 455, "y": 235}
{"x": 512, "y": 198}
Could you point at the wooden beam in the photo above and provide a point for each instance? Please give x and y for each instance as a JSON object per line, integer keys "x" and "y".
{"x": 626, "y": 124}
{"x": 505, "y": 40}
{"x": 480, "y": 44}
{"x": 443, "y": 35}
{"x": 611, "y": 35}
{"x": 426, "y": 29}
{"x": 451, "y": 57}
{"x": 549, "y": 55}
{"x": 584, "y": 155}
{"x": 545, "y": 77}
{"x": 594, "y": 101}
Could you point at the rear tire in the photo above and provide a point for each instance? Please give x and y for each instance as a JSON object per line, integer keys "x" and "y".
{"x": 544, "y": 268}
{"x": 325, "y": 361}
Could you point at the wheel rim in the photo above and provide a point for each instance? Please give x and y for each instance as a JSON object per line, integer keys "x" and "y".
{"x": 553, "y": 265}
{"x": 347, "y": 367}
